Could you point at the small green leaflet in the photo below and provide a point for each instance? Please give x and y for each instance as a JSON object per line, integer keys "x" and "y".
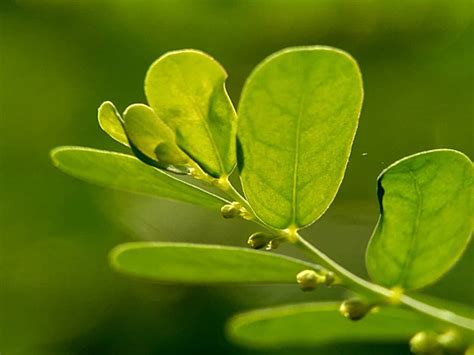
{"x": 426, "y": 219}
{"x": 319, "y": 324}
{"x": 298, "y": 116}
{"x": 187, "y": 91}
{"x": 204, "y": 264}
{"x": 153, "y": 138}
{"x": 111, "y": 122}
{"x": 127, "y": 173}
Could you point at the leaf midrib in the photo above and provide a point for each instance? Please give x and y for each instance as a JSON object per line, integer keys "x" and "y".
{"x": 296, "y": 160}
{"x": 411, "y": 248}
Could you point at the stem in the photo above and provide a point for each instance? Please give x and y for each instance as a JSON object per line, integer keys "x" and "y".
{"x": 372, "y": 292}
{"x": 348, "y": 279}
{"x": 442, "y": 314}
{"x": 379, "y": 293}
{"x": 232, "y": 192}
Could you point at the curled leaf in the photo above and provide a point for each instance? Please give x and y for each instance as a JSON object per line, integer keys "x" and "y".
{"x": 187, "y": 91}
{"x": 153, "y": 139}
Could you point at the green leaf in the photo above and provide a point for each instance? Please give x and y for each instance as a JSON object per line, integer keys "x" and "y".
{"x": 298, "y": 115}
{"x": 204, "y": 264}
{"x": 318, "y": 324}
{"x": 111, "y": 122}
{"x": 187, "y": 91}
{"x": 126, "y": 173}
{"x": 153, "y": 138}
{"x": 426, "y": 219}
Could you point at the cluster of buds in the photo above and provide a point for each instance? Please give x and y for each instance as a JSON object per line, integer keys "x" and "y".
{"x": 310, "y": 279}
{"x": 429, "y": 342}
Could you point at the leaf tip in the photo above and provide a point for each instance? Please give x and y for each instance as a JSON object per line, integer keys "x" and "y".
{"x": 55, "y": 153}
{"x": 114, "y": 254}
{"x": 231, "y": 328}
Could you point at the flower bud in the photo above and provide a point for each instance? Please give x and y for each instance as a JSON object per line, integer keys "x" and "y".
{"x": 329, "y": 278}
{"x": 309, "y": 279}
{"x": 451, "y": 341}
{"x": 259, "y": 240}
{"x": 231, "y": 210}
{"x": 354, "y": 309}
{"x": 425, "y": 343}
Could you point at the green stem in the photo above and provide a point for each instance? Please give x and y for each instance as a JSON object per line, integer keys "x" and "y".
{"x": 232, "y": 192}
{"x": 378, "y": 293}
{"x": 374, "y": 293}
{"x": 348, "y": 279}
{"x": 442, "y": 314}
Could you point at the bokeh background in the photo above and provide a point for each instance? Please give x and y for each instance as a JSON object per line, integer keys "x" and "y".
{"x": 60, "y": 59}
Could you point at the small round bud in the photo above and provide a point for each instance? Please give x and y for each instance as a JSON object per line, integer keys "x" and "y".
{"x": 354, "y": 309}
{"x": 329, "y": 278}
{"x": 231, "y": 210}
{"x": 451, "y": 341}
{"x": 309, "y": 279}
{"x": 425, "y": 343}
{"x": 259, "y": 240}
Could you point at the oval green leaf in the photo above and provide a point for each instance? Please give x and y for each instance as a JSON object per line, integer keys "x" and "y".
{"x": 298, "y": 116}
{"x": 426, "y": 219}
{"x": 153, "y": 138}
{"x": 320, "y": 324}
{"x": 187, "y": 91}
{"x": 127, "y": 173}
{"x": 111, "y": 122}
{"x": 203, "y": 264}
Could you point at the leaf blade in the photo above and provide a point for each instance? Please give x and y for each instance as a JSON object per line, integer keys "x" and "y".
{"x": 313, "y": 96}
{"x": 187, "y": 91}
{"x": 203, "y": 264}
{"x": 153, "y": 138}
{"x": 426, "y": 218}
{"x": 320, "y": 324}
{"x": 110, "y": 122}
{"x": 126, "y": 173}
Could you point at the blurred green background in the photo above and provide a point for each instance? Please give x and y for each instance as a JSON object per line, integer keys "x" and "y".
{"x": 60, "y": 59}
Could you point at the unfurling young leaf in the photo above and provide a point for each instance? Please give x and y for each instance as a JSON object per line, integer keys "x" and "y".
{"x": 187, "y": 91}
{"x": 426, "y": 218}
{"x": 298, "y": 116}
{"x": 154, "y": 139}
{"x": 111, "y": 122}
{"x": 127, "y": 173}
